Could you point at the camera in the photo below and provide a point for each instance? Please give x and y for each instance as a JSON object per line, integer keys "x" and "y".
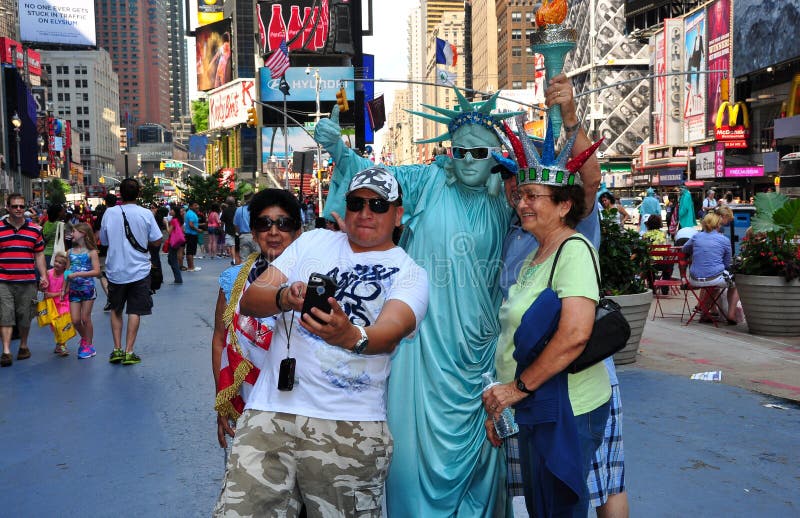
{"x": 286, "y": 374}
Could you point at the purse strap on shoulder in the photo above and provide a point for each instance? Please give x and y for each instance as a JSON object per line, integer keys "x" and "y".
{"x": 558, "y": 253}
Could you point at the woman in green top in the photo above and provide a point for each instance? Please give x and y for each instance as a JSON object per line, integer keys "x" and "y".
{"x": 561, "y": 416}
{"x": 55, "y": 215}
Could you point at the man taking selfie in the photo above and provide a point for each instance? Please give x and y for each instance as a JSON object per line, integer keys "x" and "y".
{"x": 314, "y": 430}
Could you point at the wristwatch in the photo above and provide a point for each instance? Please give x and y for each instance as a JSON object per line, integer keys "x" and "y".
{"x": 522, "y": 388}
{"x": 361, "y": 344}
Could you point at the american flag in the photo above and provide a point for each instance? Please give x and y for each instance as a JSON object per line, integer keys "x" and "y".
{"x": 278, "y": 62}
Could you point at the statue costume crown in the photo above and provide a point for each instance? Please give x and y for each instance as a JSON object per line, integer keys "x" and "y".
{"x": 547, "y": 168}
{"x": 467, "y": 113}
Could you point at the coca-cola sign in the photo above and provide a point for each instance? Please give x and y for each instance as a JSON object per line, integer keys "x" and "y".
{"x": 305, "y": 25}
{"x": 227, "y": 106}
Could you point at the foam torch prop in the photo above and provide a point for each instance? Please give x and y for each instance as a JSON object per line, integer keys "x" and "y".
{"x": 553, "y": 41}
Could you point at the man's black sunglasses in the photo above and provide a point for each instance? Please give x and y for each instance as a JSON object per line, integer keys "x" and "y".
{"x": 284, "y": 224}
{"x": 376, "y": 205}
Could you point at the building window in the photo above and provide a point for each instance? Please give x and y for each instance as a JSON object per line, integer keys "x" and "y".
{"x": 529, "y": 17}
{"x": 516, "y": 16}
{"x": 516, "y": 52}
{"x": 516, "y": 34}
{"x": 516, "y": 85}
{"x": 530, "y": 85}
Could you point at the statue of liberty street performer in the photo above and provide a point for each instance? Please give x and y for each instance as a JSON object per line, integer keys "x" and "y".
{"x": 455, "y": 223}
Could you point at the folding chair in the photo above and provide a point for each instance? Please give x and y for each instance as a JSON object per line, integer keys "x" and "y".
{"x": 669, "y": 256}
{"x": 707, "y": 302}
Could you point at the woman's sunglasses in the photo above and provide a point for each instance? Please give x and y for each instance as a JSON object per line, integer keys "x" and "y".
{"x": 376, "y": 205}
{"x": 284, "y": 224}
{"x": 477, "y": 153}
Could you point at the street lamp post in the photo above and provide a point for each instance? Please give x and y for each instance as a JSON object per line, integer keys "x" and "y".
{"x": 40, "y": 141}
{"x": 17, "y": 123}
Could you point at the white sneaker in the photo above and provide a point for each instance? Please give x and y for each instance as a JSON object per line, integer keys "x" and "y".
{"x": 196, "y": 269}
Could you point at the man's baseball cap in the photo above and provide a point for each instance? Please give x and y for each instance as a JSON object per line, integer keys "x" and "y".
{"x": 377, "y": 180}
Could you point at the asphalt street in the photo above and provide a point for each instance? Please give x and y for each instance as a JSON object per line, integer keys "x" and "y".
{"x": 87, "y": 438}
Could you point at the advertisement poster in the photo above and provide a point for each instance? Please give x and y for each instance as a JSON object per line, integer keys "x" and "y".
{"x": 209, "y": 11}
{"x": 695, "y": 84}
{"x": 659, "y": 66}
{"x": 62, "y": 22}
{"x": 306, "y": 25}
{"x": 719, "y": 55}
{"x": 303, "y": 87}
{"x": 674, "y": 46}
{"x": 213, "y": 43}
{"x": 228, "y": 105}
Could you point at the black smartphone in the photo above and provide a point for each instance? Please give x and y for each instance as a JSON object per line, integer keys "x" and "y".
{"x": 319, "y": 289}
{"x": 286, "y": 374}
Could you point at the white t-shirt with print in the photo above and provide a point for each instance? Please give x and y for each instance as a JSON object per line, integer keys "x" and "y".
{"x": 331, "y": 382}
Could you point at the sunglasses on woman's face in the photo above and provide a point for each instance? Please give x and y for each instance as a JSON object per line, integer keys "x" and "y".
{"x": 477, "y": 153}
{"x": 284, "y": 224}
{"x": 376, "y": 205}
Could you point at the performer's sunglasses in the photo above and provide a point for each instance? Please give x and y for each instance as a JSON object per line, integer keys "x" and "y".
{"x": 376, "y": 205}
{"x": 17, "y": 206}
{"x": 284, "y": 224}
{"x": 477, "y": 153}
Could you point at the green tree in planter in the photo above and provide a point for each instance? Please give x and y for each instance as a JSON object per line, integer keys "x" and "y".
{"x": 206, "y": 191}
{"x": 625, "y": 264}
{"x": 150, "y": 192}
{"x": 772, "y": 249}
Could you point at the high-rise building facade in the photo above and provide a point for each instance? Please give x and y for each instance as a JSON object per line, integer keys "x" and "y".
{"x": 136, "y": 37}
{"x": 84, "y": 89}
{"x": 484, "y": 46}
{"x": 451, "y": 29}
{"x": 515, "y": 59}
{"x": 9, "y": 19}
{"x": 179, "y": 64}
{"x": 433, "y": 10}
{"x": 416, "y": 67}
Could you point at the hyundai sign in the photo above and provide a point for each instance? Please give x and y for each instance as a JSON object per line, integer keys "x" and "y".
{"x": 302, "y": 86}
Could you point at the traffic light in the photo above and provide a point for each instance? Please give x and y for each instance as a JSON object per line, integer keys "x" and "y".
{"x": 162, "y": 166}
{"x": 252, "y": 117}
{"x": 341, "y": 100}
{"x": 724, "y": 93}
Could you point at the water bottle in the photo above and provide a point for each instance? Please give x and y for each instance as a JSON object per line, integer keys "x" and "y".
{"x": 504, "y": 425}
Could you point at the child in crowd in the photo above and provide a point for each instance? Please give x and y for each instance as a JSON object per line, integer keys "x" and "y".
{"x": 57, "y": 290}
{"x": 85, "y": 266}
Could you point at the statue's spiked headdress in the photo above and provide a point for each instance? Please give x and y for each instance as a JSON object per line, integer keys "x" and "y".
{"x": 547, "y": 168}
{"x": 479, "y": 113}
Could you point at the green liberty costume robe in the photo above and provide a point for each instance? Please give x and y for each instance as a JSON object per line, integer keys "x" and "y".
{"x": 443, "y": 464}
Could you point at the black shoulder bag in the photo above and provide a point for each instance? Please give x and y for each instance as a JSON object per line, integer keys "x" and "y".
{"x": 156, "y": 275}
{"x": 129, "y": 235}
{"x": 610, "y": 332}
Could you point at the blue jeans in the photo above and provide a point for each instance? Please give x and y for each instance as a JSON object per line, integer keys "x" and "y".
{"x": 172, "y": 259}
{"x": 591, "y": 427}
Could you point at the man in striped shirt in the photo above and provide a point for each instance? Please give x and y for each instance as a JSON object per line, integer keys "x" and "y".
{"x": 21, "y": 254}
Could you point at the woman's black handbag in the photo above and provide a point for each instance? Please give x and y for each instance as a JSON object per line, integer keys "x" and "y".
{"x": 610, "y": 332}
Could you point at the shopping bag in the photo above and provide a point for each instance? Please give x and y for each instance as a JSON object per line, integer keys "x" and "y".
{"x": 63, "y": 328}
{"x": 58, "y": 241}
{"x": 45, "y": 311}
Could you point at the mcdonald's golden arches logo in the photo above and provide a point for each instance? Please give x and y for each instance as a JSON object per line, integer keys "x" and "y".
{"x": 734, "y": 131}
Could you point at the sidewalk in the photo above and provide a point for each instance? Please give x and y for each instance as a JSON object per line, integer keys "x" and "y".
{"x": 769, "y": 365}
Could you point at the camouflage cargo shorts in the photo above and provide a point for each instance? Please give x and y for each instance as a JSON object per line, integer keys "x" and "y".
{"x": 280, "y": 461}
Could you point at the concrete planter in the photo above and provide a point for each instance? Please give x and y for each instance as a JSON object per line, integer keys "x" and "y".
{"x": 635, "y": 308}
{"x": 771, "y": 305}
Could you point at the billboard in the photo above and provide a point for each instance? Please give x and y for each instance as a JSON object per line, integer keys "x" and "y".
{"x": 209, "y": 11}
{"x": 695, "y": 84}
{"x": 763, "y": 34}
{"x": 62, "y": 22}
{"x": 719, "y": 55}
{"x": 306, "y": 25}
{"x": 214, "y": 50}
{"x": 227, "y": 106}
{"x": 673, "y": 35}
{"x": 659, "y": 66}
{"x": 11, "y": 52}
{"x": 302, "y": 86}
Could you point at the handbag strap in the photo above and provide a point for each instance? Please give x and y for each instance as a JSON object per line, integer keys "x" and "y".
{"x": 129, "y": 234}
{"x": 558, "y": 253}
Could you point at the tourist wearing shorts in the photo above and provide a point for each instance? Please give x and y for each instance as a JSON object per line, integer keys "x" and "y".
{"x": 21, "y": 257}
{"x": 128, "y": 269}
{"x": 191, "y": 228}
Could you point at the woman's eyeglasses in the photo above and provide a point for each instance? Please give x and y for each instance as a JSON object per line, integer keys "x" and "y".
{"x": 477, "y": 153}
{"x": 529, "y": 197}
{"x": 284, "y": 224}
{"x": 376, "y": 205}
